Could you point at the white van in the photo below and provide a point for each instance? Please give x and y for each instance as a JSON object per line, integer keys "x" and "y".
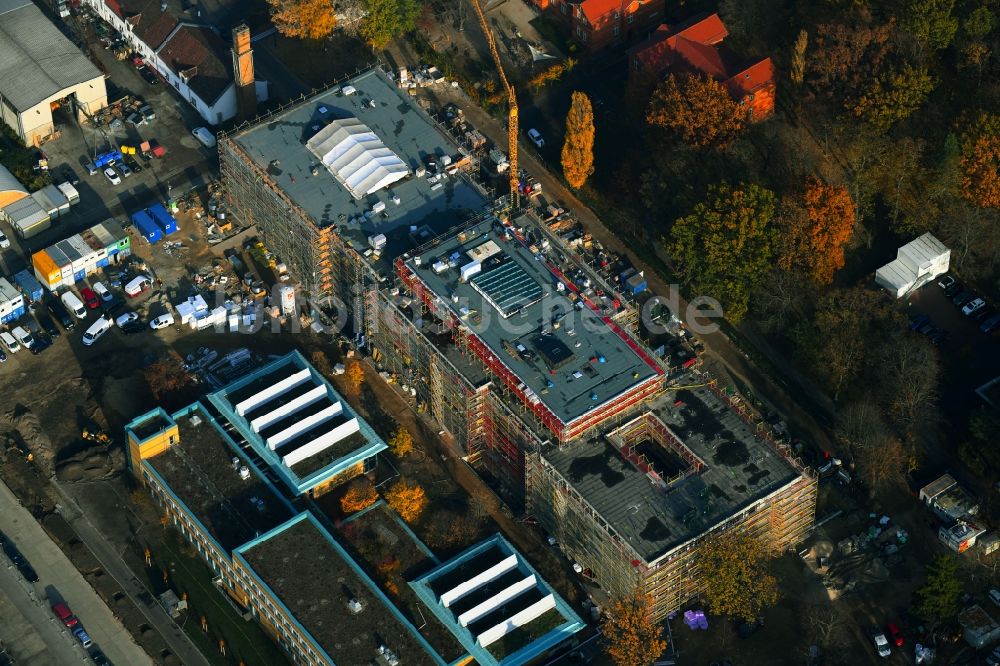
{"x": 9, "y": 342}
{"x": 137, "y": 285}
{"x": 23, "y": 336}
{"x": 103, "y": 292}
{"x": 96, "y": 330}
{"x": 74, "y": 305}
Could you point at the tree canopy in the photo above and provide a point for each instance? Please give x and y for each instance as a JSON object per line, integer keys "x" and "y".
{"x": 578, "y": 149}
{"x": 304, "y": 19}
{"x": 814, "y": 230}
{"x": 980, "y": 162}
{"x": 387, "y": 19}
{"x": 940, "y": 594}
{"x": 407, "y": 498}
{"x": 734, "y": 568}
{"x": 631, "y": 638}
{"x": 725, "y": 246}
{"x": 697, "y": 109}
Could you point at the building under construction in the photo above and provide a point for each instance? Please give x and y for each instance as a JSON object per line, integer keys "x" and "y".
{"x": 508, "y": 341}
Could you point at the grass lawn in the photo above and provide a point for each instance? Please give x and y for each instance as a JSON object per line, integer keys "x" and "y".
{"x": 245, "y": 641}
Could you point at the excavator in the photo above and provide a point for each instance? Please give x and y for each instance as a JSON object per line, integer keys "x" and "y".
{"x": 515, "y": 194}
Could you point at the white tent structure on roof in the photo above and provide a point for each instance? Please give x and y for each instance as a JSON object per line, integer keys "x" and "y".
{"x": 356, "y": 157}
{"x": 916, "y": 263}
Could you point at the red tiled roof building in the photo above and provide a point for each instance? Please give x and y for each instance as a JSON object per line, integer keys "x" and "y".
{"x": 597, "y": 24}
{"x": 696, "y": 48}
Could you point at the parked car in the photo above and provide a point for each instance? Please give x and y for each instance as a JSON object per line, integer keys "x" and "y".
{"x": 953, "y": 289}
{"x": 45, "y": 321}
{"x": 536, "y": 137}
{"x": 974, "y": 305}
{"x": 937, "y": 337}
{"x": 23, "y": 336}
{"x": 28, "y": 572}
{"x": 895, "y": 635}
{"x": 91, "y": 168}
{"x": 98, "y": 657}
{"x": 41, "y": 343}
{"x": 946, "y": 281}
{"x": 881, "y": 643}
{"x": 112, "y": 176}
{"x": 918, "y": 320}
{"x": 125, "y": 171}
{"x": 123, "y": 320}
{"x": 82, "y": 636}
{"x": 962, "y": 298}
{"x": 4, "y": 241}
{"x": 138, "y": 285}
{"x": 148, "y": 76}
{"x": 3, "y": 356}
{"x": 162, "y": 321}
{"x": 103, "y": 292}
{"x": 204, "y": 136}
{"x": 73, "y": 304}
{"x": 10, "y": 342}
{"x": 64, "y": 614}
{"x": 59, "y": 311}
{"x": 96, "y": 330}
{"x": 991, "y": 324}
{"x": 90, "y": 298}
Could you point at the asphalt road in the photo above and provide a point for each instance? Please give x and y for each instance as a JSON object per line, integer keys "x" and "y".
{"x": 58, "y": 577}
{"x": 176, "y": 639}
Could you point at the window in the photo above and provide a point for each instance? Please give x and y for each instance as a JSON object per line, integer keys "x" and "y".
{"x": 617, "y": 15}
{"x": 631, "y": 19}
{"x": 581, "y": 33}
{"x": 564, "y": 8}
{"x": 616, "y": 30}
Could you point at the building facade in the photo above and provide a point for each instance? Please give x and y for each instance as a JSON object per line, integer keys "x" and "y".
{"x": 598, "y": 24}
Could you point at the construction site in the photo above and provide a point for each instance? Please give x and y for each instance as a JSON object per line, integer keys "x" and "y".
{"x": 506, "y": 335}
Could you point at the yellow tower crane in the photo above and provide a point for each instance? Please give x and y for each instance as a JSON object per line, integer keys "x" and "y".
{"x": 515, "y": 197}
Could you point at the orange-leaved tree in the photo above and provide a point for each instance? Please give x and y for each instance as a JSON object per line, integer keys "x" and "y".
{"x": 698, "y": 109}
{"x": 578, "y": 149}
{"x": 361, "y": 494}
{"x": 981, "y": 162}
{"x": 401, "y": 442}
{"x": 408, "y": 499}
{"x": 830, "y": 212}
{"x": 631, "y": 638}
{"x": 354, "y": 375}
{"x": 304, "y": 19}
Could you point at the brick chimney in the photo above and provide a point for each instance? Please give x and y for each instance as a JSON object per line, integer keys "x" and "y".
{"x": 246, "y": 92}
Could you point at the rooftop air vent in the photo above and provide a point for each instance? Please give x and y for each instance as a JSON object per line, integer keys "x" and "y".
{"x": 244, "y": 472}
{"x": 195, "y": 420}
{"x": 355, "y": 606}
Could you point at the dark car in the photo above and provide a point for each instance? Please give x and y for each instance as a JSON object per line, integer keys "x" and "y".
{"x": 60, "y": 312}
{"x": 991, "y": 324}
{"x": 937, "y": 337}
{"x": 918, "y": 320}
{"x": 133, "y": 327}
{"x": 148, "y": 76}
{"x": 28, "y": 572}
{"x": 42, "y": 342}
{"x": 953, "y": 288}
{"x": 962, "y": 298}
{"x": 98, "y": 657}
{"x": 982, "y": 314}
{"x": 47, "y": 324}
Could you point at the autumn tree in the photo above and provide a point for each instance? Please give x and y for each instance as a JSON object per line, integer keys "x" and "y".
{"x": 321, "y": 362}
{"x": 387, "y": 19}
{"x": 849, "y": 53}
{"x": 698, "y": 109}
{"x": 551, "y": 73}
{"x": 815, "y": 230}
{"x": 929, "y": 22}
{"x": 360, "y": 495}
{"x": 408, "y": 499}
{"x": 798, "y": 69}
{"x": 354, "y": 375}
{"x": 893, "y": 96}
{"x": 631, "y": 638}
{"x": 980, "y": 161}
{"x": 940, "y": 593}
{"x": 734, "y": 566}
{"x": 303, "y": 19}
{"x": 725, "y": 246}
{"x": 401, "y": 442}
{"x": 974, "y": 48}
{"x": 578, "y": 149}
{"x": 166, "y": 377}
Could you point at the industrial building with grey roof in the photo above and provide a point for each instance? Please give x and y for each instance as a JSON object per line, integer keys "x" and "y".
{"x": 40, "y": 66}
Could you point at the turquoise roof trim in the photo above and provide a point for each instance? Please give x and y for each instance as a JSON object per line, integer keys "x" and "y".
{"x": 524, "y": 655}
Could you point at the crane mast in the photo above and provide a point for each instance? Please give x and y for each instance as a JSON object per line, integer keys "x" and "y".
{"x": 515, "y": 198}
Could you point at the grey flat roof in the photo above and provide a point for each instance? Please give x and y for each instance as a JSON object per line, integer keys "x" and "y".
{"x": 36, "y": 60}
{"x": 572, "y": 369}
{"x": 401, "y": 125}
{"x": 739, "y": 470}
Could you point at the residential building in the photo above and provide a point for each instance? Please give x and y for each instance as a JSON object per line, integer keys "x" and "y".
{"x": 186, "y": 52}
{"x": 696, "y": 48}
{"x": 41, "y": 71}
{"x": 599, "y": 24}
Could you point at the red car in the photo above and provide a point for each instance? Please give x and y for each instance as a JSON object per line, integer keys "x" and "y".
{"x": 64, "y": 614}
{"x": 90, "y": 298}
{"x": 894, "y": 634}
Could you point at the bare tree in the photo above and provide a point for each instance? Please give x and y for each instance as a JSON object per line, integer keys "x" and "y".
{"x": 825, "y": 626}
{"x": 880, "y": 458}
{"x": 909, "y": 380}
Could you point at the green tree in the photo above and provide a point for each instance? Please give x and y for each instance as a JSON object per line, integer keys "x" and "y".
{"x": 737, "y": 583}
{"x": 631, "y": 638}
{"x": 578, "y": 149}
{"x": 940, "y": 593}
{"x": 387, "y": 19}
{"x": 930, "y": 22}
{"x": 894, "y": 97}
{"x": 724, "y": 247}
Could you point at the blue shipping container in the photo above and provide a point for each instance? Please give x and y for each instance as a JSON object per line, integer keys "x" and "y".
{"x": 28, "y": 285}
{"x": 144, "y": 223}
{"x": 12, "y": 315}
{"x": 163, "y": 218}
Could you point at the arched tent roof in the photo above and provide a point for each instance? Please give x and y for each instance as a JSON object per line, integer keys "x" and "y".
{"x": 10, "y": 189}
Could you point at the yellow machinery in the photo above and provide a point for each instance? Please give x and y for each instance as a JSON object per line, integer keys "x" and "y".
{"x": 515, "y": 198}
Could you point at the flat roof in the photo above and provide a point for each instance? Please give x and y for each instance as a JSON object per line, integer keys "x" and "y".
{"x": 200, "y": 472}
{"x": 315, "y": 579}
{"x": 567, "y": 356}
{"x": 277, "y": 145}
{"x": 497, "y": 605}
{"x": 377, "y": 535}
{"x": 739, "y": 469}
{"x": 36, "y": 60}
{"x": 294, "y": 419}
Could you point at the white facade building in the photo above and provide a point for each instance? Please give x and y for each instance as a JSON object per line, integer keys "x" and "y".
{"x": 916, "y": 263}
